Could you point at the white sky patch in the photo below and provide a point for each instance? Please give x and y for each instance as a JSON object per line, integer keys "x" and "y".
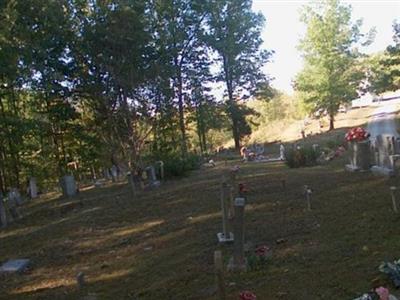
{"x": 283, "y": 31}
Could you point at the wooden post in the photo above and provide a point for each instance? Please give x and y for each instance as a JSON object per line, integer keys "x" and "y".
{"x": 219, "y": 274}
{"x": 394, "y": 202}
{"x": 161, "y": 164}
{"x": 80, "y": 279}
{"x": 308, "y": 193}
{"x": 238, "y": 263}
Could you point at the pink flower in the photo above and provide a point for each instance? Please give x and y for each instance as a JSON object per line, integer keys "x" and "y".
{"x": 247, "y": 295}
{"x": 383, "y": 293}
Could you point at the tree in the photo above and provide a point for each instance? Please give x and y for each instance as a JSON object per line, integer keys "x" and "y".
{"x": 330, "y": 75}
{"x": 234, "y": 32}
{"x": 384, "y": 68}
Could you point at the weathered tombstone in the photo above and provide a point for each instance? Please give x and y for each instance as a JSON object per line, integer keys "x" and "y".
{"x": 114, "y": 173}
{"x": 282, "y": 152}
{"x": 225, "y": 235}
{"x": 359, "y": 156}
{"x": 33, "y": 190}
{"x": 219, "y": 274}
{"x": 238, "y": 261}
{"x": 393, "y": 194}
{"x": 15, "y": 195}
{"x": 14, "y": 266}
{"x": 68, "y": 185}
{"x": 151, "y": 176}
{"x": 385, "y": 158}
{"x": 3, "y": 214}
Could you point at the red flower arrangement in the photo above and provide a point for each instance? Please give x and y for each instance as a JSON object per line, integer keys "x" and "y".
{"x": 357, "y": 134}
{"x": 262, "y": 251}
{"x": 247, "y": 295}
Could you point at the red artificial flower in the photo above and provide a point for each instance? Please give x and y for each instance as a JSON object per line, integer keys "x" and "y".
{"x": 262, "y": 251}
{"x": 247, "y": 295}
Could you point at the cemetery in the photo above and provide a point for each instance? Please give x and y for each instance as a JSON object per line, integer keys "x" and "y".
{"x": 202, "y": 237}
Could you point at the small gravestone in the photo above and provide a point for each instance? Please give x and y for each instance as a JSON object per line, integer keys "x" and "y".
{"x": 33, "y": 190}
{"x": 282, "y": 152}
{"x": 68, "y": 186}
{"x": 15, "y": 266}
{"x": 15, "y": 195}
{"x": 238, "y": 261}
{"x": 151, "y": 177}
{"x": 3, "y": 214}
{"x": 114, "y": 173}
{"x": 393, "y": 194}
{"x": 11, "y": 205}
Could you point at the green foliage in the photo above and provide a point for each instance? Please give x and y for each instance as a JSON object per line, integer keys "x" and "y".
{"x": 176, "y": 166}
{"x": 384, "y": 68}
{"x": 303, "y": 157}
{"x": 331, "y": 74}
{"x": 234, "y": 32}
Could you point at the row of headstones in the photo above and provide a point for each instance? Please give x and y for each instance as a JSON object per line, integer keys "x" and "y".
{"x": 136, "y": 181}
{"x": 9, "y": 206}
{"x": 385, "y": 152}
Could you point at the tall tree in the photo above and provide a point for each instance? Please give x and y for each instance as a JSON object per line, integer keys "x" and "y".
{"x": 234, "y": 32}
{"x": 330, "y": 75}
{"x": 384, "y": 68}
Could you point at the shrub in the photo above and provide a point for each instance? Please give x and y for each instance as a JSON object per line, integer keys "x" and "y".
{"x": 175, "y": 166}
{"x": 302, "y": 157}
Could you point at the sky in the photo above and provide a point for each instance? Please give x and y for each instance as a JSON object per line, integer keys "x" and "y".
{"x": 283, "y": 30}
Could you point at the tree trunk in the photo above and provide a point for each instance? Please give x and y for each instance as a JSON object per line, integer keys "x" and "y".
{"x": 181, "y": 115}
{"x": 331, "y": 121}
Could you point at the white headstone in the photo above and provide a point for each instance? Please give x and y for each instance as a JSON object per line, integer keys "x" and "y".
{"x": 68, "y": 185}
{"x": 33, "y": 191}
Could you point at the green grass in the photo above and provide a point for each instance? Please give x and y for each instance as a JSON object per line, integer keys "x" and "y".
{"x": 160, "y": 245}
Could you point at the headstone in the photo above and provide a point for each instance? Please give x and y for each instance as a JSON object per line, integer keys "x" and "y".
{"x": 238, "y": 262}
{"x": 282, "y": 152}
{"x": 151, "y": 176}
{"x": 15, "y": 266}
{"x": 15, "y": 195}
{"x": 114, "y": 173}
{"x": 3, "y": 214}
{"x": 359, "y": 156}
{"x": 68, "y": 186}
{"x": 219, "y": 274}
{"x": 385, "y": 158}
{"x": 226, "y": 235}
{"x": 33, "y": 190}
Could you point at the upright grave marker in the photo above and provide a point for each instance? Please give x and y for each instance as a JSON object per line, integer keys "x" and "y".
{"x": 33, "y": 190}
{"x": 238, "y": 261}
{"x": 225, "y": 235}
{"x": 307, "y": 193}
{"x": 68, "y": 185}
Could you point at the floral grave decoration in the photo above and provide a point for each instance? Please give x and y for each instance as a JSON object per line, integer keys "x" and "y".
{"x": 247, "y": 295}
{"x": 356, "y": 134}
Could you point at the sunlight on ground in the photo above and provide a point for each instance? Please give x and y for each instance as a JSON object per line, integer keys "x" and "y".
{"x": 138, "y": 228}
{"x": 46, "y": 284}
